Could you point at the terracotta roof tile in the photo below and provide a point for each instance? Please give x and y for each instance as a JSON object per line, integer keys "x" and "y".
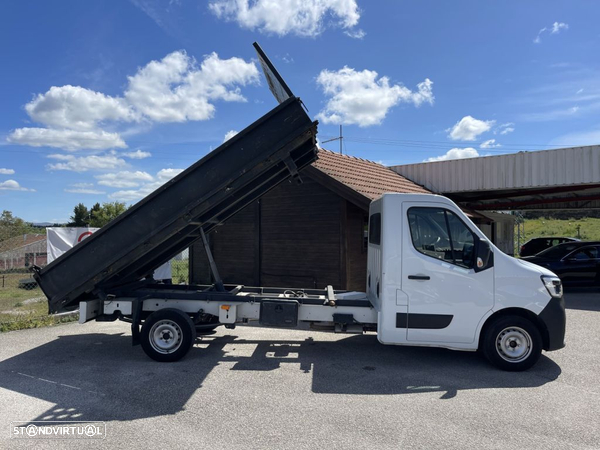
{"x": 20, "y": 241}
{"x": 366, "y": 177}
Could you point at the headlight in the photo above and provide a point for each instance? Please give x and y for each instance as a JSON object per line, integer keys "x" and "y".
{"x": 553, "y": 286}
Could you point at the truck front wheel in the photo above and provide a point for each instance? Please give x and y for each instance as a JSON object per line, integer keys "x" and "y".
{"x": 512, "y": 343}
{"x": 167, "y": 335}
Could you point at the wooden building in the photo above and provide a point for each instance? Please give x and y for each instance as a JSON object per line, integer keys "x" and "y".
{"x": 303, "y": 235}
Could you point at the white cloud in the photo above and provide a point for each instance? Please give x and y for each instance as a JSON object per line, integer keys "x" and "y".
{"x": 138, "y": 154}
{"x": 124, "y": 179}
{"x": 554, "y": 29}
{"x": 6, "y": 171}
{"x": 468, "y": 128}
{"x": 562, "y": 100}
{"x": 167, "y": 174}
{"x": 491, "y": 143}
{"x": 578, "y": 138}
{"x": 175, "y": 89}
{"x": 305, "y": 18}
{"x": 77, "y": 108}
{"x": 455, "y": 153}
{"x": 287, "y": 59}
{"x": 505, "y": 128}
{"x": 70, "y": 140}
{"x": 12, "y": 185}
{"x": 83, "y": 188}
{"x": 85, "y": 163}
{"x": 556, "y": 114}
{"x": 355, "y": 34}
{"x": 229, "y": 135}
{"x": 130, "y": 195}
{"x": 557, "y": 26}
{"x": 362, "y": 99}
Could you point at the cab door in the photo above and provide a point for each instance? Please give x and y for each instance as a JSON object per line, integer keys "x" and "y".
{"x": 581, "y": 267}
{"x": 447, "y": 298}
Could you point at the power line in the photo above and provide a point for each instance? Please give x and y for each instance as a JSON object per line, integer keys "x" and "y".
{"x": 444, "y": 144}
{"x": 421, "y": 145}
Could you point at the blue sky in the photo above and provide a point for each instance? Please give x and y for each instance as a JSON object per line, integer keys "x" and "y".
{"x": 106, "y": 100}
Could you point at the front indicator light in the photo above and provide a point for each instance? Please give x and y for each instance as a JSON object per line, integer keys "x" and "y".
{"x": 553, "y": 286}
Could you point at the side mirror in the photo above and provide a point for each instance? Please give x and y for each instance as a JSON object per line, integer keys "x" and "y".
{"x": 484, "y": 258}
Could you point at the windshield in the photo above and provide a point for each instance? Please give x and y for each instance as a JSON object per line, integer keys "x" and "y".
{"x": 558, "y": 251}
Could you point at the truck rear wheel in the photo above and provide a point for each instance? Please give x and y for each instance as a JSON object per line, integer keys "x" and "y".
{"x": 512, "y": 343}
{"x": 167, "y": 335}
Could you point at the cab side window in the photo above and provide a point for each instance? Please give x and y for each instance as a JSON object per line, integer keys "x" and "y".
{"x": 375, "y": 229}
{"x": 440, "y": 234}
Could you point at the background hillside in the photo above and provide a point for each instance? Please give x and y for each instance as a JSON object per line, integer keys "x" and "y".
{"x": 587, "y": 229}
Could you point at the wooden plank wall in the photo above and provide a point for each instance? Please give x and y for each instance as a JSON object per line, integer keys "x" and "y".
{"x": 232, "y": 245}
{"x": 300, "y": 236}
{"x": 293, "y": 237}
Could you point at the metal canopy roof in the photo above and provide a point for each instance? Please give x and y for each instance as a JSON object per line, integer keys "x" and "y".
{"x": 567, "y": 178}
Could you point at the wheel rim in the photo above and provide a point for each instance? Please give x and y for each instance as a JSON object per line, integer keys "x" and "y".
{"x": 165, "y": 336}
{"x": 514, "y": 344}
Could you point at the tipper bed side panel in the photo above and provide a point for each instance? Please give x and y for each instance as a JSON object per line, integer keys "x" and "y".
{"x": 167, "y": 221}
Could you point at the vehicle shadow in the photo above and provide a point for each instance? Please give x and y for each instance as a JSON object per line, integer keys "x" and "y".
{"x": 102, "y": 377}
{"x": 587, "y": 299}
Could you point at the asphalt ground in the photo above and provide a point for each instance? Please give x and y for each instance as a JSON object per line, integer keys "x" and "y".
{"x": 255, "y": 388}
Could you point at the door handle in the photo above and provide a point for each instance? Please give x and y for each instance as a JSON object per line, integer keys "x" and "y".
{"x": 419, "y": 277}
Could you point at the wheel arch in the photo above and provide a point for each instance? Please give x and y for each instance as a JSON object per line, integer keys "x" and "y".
{"x": 521, "y": 312}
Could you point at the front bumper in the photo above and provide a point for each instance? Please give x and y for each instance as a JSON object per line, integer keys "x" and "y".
{"x": 554, "y": 318}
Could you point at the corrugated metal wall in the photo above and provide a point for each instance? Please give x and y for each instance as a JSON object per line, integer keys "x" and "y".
{"x": 547, "y": 168}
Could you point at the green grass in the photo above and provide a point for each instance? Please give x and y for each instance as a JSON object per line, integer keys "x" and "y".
{"x": 28, "y": 308}
{"x": 31, "y": 320}
{"x": 24, "y": 308}
{"x": 10, "y": 293}
{"x": 589, "y": 228}
{"x": 180, "y": 272}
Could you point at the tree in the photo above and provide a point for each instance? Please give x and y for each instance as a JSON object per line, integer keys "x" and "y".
{"x": 101, "y": 215}
{"x": 95, "y": 209}
{"x": 80, "y": 217}
{"x": 11, "y": 226}
{"x": 97, "y": 216}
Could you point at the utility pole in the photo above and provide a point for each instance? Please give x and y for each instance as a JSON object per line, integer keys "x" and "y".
{"x": 340, "y": 138}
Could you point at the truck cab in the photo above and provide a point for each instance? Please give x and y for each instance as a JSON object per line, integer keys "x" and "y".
{"x": 436, "y": 280}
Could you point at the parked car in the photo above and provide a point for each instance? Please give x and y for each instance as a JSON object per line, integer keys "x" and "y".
{"x": 575, "y": 263}
{"x": 536, "y": 245}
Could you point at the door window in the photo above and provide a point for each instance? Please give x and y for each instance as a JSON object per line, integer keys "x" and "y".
{"x": 585, "y": 254}
{"x": 440, "y": 234}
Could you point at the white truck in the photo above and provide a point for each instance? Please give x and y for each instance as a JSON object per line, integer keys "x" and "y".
{"x": 433, "y": 278}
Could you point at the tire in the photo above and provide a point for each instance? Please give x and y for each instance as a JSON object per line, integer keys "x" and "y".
{"x": 512, "y": 343}
{"x": 167, "y": 335}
